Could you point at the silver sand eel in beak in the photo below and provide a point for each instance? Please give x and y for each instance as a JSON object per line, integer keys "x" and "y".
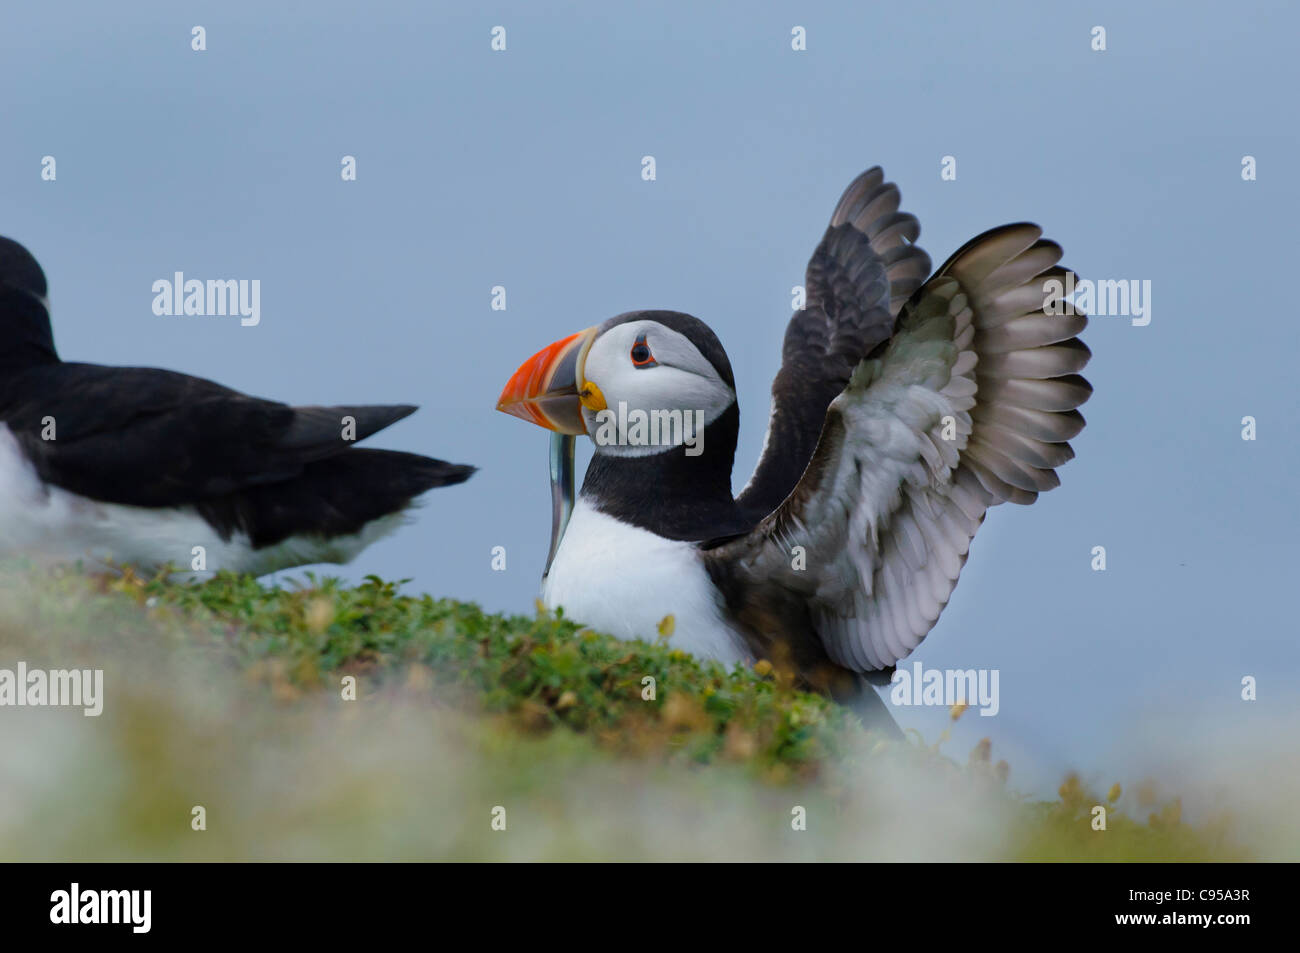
{"x": 563, "y": 447}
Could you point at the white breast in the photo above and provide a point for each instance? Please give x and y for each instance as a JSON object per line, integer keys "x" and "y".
{"x": 50, "y": 525}
{"x": 622, "y": 580}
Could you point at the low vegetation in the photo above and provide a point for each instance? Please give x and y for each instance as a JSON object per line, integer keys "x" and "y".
{"x": 323, "y": 721}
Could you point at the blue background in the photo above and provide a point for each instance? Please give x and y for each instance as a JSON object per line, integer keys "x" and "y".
{"x": 522, "y": 168}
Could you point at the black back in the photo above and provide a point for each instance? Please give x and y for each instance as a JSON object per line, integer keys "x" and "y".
{"x": 154, "y": 438}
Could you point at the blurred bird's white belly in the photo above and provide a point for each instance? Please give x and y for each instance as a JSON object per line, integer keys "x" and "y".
{"x": 622, "y": 580}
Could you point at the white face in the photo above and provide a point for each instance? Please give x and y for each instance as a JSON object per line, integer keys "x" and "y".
{"x": 659, "y": 391}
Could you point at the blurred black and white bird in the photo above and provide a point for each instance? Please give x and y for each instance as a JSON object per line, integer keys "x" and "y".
{"x": 907, "y": 404}
{"x": 143, "y": 466}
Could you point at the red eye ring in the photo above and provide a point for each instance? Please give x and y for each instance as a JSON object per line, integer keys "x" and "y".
{"x": 641, "y": 356}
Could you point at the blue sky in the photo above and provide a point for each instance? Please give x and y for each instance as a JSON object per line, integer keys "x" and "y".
{"x": 522, "y": 168}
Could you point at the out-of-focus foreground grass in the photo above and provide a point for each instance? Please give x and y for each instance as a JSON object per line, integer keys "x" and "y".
{"x": 230, "y": 696}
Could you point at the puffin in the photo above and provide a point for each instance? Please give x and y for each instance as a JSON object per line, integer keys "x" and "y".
{"x": 154, "y": 468}
{"x": 908, "y": 403}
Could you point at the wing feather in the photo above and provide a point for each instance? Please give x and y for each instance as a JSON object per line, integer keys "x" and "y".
{"x": 858, "y": 279}
{"x": 969, "y": 404}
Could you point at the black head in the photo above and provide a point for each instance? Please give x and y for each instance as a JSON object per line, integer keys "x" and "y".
{"x": 656, "y": 394}
{"x": 690, "y": 327}
{"x": 25, "y": 335}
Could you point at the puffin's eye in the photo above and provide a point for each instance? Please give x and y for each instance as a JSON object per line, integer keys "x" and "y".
{"x": 641, "y": 356}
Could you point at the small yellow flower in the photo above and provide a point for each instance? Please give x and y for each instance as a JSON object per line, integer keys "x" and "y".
{"x": 1113, "y": 794}
{"x": 666, "y": 626}
{"x": 739, "y": 744}
{"x": 762, "y": 668}
{"x": 319, "y": 615}
{"x": 1146, "y": 794}
{"x": 419, "y": 678}
{"x": 1070, "y": 788}
{"x": 1171, "y": 815}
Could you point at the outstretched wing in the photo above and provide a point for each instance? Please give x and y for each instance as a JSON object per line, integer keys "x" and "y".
{"x": 970, "y": 404}
{"x": 857, "y": 280}
{"x": 157, "y": 438}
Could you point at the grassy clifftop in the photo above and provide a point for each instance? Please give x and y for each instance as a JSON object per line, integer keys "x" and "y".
{"x": 324, "y": 721}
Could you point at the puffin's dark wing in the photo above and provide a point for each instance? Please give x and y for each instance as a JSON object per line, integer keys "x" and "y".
{"x": 969, "y": 405}
{"x": 336, "y": 496}
{"x": 857, "y": 281}
{"x": 156, "y": 438}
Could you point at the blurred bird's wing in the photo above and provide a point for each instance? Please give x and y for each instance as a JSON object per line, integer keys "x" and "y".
{"x": 150, "y": 437}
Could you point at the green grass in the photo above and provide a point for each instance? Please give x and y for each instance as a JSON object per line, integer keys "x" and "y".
{"x": 230, "y": 695}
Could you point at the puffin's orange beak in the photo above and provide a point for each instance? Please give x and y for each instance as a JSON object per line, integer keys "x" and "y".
{"x": 545, "y": 389}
